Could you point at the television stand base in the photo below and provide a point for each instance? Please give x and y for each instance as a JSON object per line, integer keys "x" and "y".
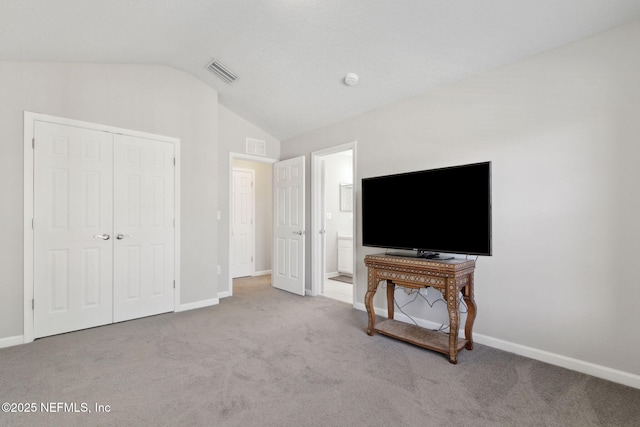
{"x": 421, "y": 254}
{"x": 432, "y": 255}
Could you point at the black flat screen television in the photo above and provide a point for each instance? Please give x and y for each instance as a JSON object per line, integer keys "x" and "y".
{"x": 446, "y": 210}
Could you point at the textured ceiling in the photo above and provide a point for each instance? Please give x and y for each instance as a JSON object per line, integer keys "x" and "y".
{"x": 292, "y": 55}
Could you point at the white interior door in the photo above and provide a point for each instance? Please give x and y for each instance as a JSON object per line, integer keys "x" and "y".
{"x": 73, "y": 242}
{"x": 242, "y": 227}
{"x": 143, "y": 227}
{"x": 289, "y": 225}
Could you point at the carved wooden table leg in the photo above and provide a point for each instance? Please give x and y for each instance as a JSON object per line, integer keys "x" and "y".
{"x": 391, "y": 287}
{"x": 467, "y": 294}
{"x": 451, "y": 294}
{"x": 372, "y": 287}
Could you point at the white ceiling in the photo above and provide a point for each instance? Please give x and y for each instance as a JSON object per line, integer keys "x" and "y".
{"x": 292, "y": 55}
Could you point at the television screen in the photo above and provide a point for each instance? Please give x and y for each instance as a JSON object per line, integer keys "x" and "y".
{"x": 437, "y": 210}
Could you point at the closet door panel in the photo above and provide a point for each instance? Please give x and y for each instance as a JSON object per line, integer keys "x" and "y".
{"x": 73, "y": 246}
{"x": 143, "y": 227}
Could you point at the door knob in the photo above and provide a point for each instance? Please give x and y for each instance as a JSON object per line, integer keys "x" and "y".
{"x": 299, "y": 233}
{"x": 121, "y": 236}
{"x": 102, "y": 236}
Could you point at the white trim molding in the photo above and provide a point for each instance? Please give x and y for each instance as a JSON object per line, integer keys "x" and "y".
{"x": 599, "y": 371}
{"x": 617, "y": 376}
{"x": 198, "y": 304}
{"x": 11, "y": 341}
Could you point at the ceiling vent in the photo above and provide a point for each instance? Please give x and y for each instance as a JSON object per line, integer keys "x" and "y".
{"x": 223, "y": 72}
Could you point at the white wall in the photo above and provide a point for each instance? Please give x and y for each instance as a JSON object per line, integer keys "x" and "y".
{"x": 233, "y": 132}
{"x": 563, "y": 132}
{"x": 152, "y": 99}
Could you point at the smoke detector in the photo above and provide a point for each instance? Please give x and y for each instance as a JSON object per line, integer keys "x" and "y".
{"x": 351, "y": 79}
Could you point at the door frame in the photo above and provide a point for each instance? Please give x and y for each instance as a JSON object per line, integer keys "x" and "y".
{"x": 317, "y": 202}
{"x": 253, "y": 219}
{"x": 29, "y": 156}
{"x": 237, "y": 156}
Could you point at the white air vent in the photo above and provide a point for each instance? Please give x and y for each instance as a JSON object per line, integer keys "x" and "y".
{"x": 257, "y": 147}
{"x": 223, "y": 72}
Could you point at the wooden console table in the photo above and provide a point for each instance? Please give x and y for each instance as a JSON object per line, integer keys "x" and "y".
{"x": 448, "y": 276}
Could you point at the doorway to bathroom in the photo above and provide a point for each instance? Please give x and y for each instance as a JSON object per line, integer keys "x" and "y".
{"x": 333, "y": 222}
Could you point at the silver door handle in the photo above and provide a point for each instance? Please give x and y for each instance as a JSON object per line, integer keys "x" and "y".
{"x": 102, "y": 236}
{"x": 299, "y": 233}
{"x": 121, "y": 236}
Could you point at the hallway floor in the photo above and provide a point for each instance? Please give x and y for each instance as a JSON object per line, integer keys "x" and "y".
{"x": 338, "y": 290}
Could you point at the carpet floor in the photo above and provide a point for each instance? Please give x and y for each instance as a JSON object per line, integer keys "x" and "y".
{"x": 265, "y": 357}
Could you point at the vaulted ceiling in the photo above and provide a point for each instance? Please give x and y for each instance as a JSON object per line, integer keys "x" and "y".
{"x": 291, "y": 56}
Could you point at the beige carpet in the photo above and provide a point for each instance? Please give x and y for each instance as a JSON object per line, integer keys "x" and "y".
{"x": 268, "y": 358}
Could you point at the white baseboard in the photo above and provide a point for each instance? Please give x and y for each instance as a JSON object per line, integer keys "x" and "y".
{"x": 198, "y": 304}
{"x": 261, "y": 273}
{"x": 599, "y": 371}
{"x": 617, "y": 376}
{"x": 19, "y": 339}
{"x": 11, "y": 341}
{"x": 223, "y": 294}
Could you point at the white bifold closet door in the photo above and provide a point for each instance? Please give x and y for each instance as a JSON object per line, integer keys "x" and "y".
{"x": 143, "y": 227}
{"x": 103, "y": 228}
{"x": 73, "y": 223}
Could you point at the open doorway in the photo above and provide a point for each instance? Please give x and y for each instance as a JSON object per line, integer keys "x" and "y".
{"x": 251, "y": 217}
{"x": 333, "y": 222}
